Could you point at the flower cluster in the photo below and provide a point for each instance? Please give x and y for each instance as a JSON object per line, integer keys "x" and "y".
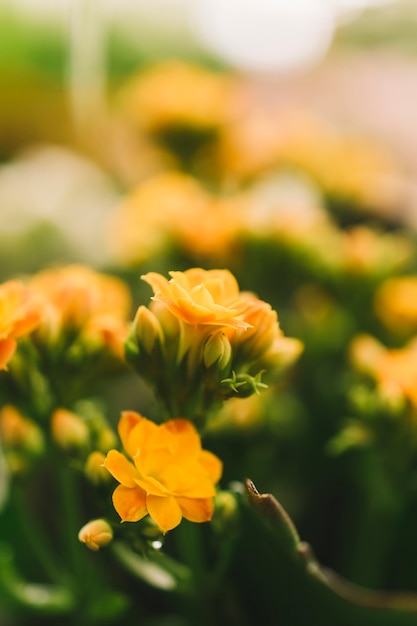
{"x": 84, "y": 305}
{"x": 202, "y": 341}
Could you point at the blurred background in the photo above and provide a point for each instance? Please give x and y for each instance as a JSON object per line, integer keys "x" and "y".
{"x": 67, "y": 157}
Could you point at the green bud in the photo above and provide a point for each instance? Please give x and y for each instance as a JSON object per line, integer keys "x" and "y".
{"x": 217, "y": 351}
{"x": 147, "y": 329}
{"x": 226, "y": 515}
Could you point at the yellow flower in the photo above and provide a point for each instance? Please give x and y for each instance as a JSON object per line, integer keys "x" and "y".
{"x": 171, "y": 476}
{"x": 200, "y": 297}
{"x": 20, "y": 313}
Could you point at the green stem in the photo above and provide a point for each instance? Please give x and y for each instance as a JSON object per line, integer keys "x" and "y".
{"x": 71, "y": 519}
{"x": 36, "y": 537}
{"x": 378, "y": 508}
{"x": 191, "y": 550}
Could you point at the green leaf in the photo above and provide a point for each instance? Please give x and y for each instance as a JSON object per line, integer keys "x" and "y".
{"x": 36, "y": 597}
{"x": 156, "y": 569}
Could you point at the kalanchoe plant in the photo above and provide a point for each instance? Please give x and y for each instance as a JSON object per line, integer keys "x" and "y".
{"x": 202, "y": 341}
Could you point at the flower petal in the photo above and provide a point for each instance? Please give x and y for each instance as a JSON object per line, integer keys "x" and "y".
{"x": 165, "y": 512}
{"x": 144, "y": 438}
{"x": 7, "y": 349}
{"x": 152, "y": 486}
{"x": 127, "y": 422}
{"x": 197, "y": 509}
{"x": 212, "y": 465}
{"x": 130, "y": 504}
{"x": 120, "y": 468}
{"x": 158, "y": 282}
{"x": 186, "y": 440}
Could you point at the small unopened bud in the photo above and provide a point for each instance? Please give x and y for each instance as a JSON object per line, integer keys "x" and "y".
{"x": 96, "y": 534}
{"x": 20, "y": 433}
{"x": 106, "y": 439}
{"x": 217, "y": 351}
{"x": 282, "y": 354}
{"x": 94, "y": 469}
{"x": 69, "y": 430}
{"x": 226, "y": 511}
{"x": 147, "y": 329}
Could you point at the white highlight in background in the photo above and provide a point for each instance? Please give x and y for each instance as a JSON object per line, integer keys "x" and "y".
{"x": 264, "y": 35}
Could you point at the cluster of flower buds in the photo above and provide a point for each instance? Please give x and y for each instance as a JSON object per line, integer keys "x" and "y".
{"x": 202, "y": 341}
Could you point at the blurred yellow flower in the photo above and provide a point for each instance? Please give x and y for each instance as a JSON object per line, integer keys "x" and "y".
{"x": 171, "y": 476}
{"x": 20, "y": 313}
{"x": 78, "y": 298}
{"x": 366, "y": 250}
{"x": 18, "y": 431}
{"x": 69, "y": 430}
{"x": 94, "y": 469}
{"x": 393, "y": 369}
{"x": 142, "y": 223}
{"x": 176, "y": 93}
{"x": 169, "y": 208}
{"x": 200, "y": 297}
{"x": 348, "y": 167}
{"x": 395, "y": 304}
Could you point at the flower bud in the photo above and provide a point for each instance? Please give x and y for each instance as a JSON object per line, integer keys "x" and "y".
{"x": 169, "y": 323}
{"x": 69, "y": 430}
{"x": 96, "y": 534}
{"x": 226, "y": 504}
{"x": 19, "y": 432}
{"x": 263, "y": 329}
{"x": 106, "y": 439}
{"x": 217, "y": 351}
{"x": 147, "y": 329}
{"x": 95, "y": 470}
{"x": 282, "y": 354}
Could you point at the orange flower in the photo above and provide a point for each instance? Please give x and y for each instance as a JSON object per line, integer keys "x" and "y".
{"x": 20, "y": 313}
{"x": 171, "y": 476}
{"x": 393, "y": 369}
{"x": 78, "y": 293}
{"x": 200, "y": 297}
{"x": 81, "y": 299}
